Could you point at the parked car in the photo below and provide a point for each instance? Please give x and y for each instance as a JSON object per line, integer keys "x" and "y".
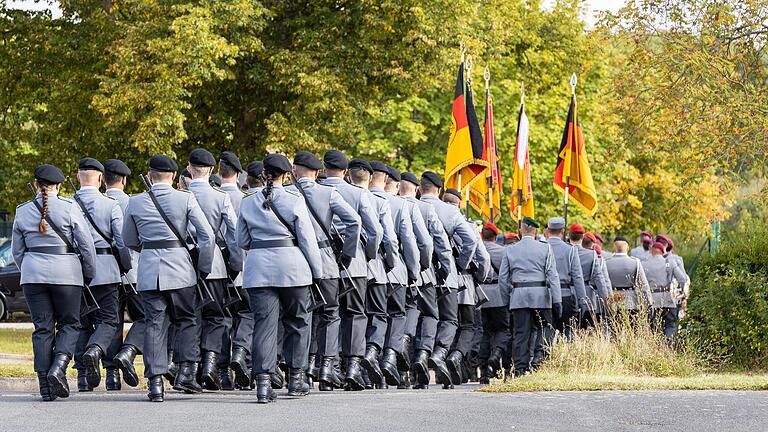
{"x": 11, "y": 296}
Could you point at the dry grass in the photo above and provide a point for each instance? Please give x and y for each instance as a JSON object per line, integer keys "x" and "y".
{"x": 13, "y": 341}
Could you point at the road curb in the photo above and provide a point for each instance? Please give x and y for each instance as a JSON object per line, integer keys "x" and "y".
{"x": 25, "y": 384}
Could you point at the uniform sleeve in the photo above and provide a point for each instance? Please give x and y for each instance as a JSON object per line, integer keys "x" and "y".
{"x": 606, "y": 276}
{"x": 598, "y": 277}
{"x": 206, "y": 241}
{"x": 577, "y": 277}
{"x": 408, "y": 243}
{"x": 482, "y": 259}
{"x": 82, "y": 236}
{"x": 373, "y": 231}
{"x": 230, "y": 221}
{"x": 130, "y": 234}
{"x": 18, "y": 244}
{"x": 423, "y": 239}
{"x": 305, "y": 233}
{"x": 468, "y": 241}
{"x": 440, "y": 239}
{"x": 243, "y": 236}
{"x": 389, "y": 239}
{"x": 117, "y": 236}
{"x": 643, "y": 283}
{"x": 349, "y": 219}
{"x": 505, "y": 277}
{"x": 681, "y": 276}
{"x": 553, "y": 279}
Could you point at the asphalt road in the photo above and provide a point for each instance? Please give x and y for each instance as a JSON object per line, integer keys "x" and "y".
{"x": 393, "y": 410}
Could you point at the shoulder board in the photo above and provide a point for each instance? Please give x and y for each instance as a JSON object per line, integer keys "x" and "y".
{"x": 183, "y": 190}
{"x": 293, "y": 192}
{"x": 326, "y": 185}
{"x": 112, "y": 198}
{"x": 247, "y": 194}
{"x": 218, "y": 189}
{"x": 24, "y": 203}
{"x": 352, "y": 184}
{"x": 250, "y": 195}
{"x": 65, "y": 199}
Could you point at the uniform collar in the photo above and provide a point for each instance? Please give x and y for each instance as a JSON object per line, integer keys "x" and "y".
{"x": 161, "y": 186}
{"x": 229, "y": 186}
{"x": 333, "y": 180}
{"x": 620, "y": 253}
{"x": 376, "y": 189}
{"x": 114, "y": 190}
{"x": 555, "y": 239}
{"x": 88, "y": 188}
{"x": 199, "y": 180}
{"x": 306, "y": 180}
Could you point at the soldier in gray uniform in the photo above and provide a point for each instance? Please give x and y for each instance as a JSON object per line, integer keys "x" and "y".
{"x": 123, "y": 352}
{"x": 353, "y": 318}
{"x": 643, "y": 252}
{"x": 528, "y": 276}
{"x": 326, "y": 205}
{"x": 447, "y": 301}
{"x": 254, "y": 179}
{"x": 167, "y": 277}
{"x": 660, "y": 272}
{"x": 627, "y": 278}
{"x": 53, "y": 248}
{"x": 574, "y": 295}
{"x": 598, "y": 289}
{"x": 218, "y": 210}
{"x": 425, "y": 280}
{"x": 275, "y": 227}
{"x": 105, "y": 220}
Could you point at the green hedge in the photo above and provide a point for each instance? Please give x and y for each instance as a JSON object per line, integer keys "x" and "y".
{"x": 728, "y": 304}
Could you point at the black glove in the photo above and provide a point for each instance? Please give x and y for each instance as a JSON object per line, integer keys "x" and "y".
{"x": 442, "y": 274}
{"x": 557, "y": 311}
{"x": 345, "y": 260}
{"x": 472, "y": 267}
{"x": 389, "y": 262}
{"x": 203, "y": 275}
{"x": 232, "y": 274}
{"x": 411, "y": 280}
{"x": 87, "y": 281}
{"x": 316, "y": 281}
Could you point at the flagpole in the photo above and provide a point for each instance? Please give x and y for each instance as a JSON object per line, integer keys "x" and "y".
{"x": 569, "y": 152}
{"x": 520, "y": 191}
{"x": 468, "y": 68}
{"x": 464, "y": 91}
{"x": 487, "y": 76}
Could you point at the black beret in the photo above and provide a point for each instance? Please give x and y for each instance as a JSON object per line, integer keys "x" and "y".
{"x": 433, "y": 178}
{"x": 322, "y": 176}
{"x": 453, "y": 192}
{"x": 90, "y": 164}
{"x": 162, "y": 163}
{"x": 201, "y": 157}
{"x": 49, "y": 174}
{"x": 231, "y": 159}
{"x": 307, "y": 159}
{"x": 621, "y": 238}
{"x": 409, "y": 177}
{"x": 276, "y": 162}
{"x": 254, "y": 169}
{"x": 360, "y": 164}
{"x": 185, "y": 173}
{"x": 215, "y": 180}
{"x": 380, "y": 167}
{"x": 335, "y": 159}
{"x": 115, "y": 166}
{"x": 393, "y": 174}
{"x": 531, "y": 222}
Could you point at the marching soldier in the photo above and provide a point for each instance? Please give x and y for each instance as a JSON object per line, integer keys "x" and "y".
{"x": 402, "y": 276}
{"x": 105, "y": 220}
{"x": 574, "y": 296}
{"x": 218, "y": 210}
{"x": 326, "y": 205}
{"x": 254, "y": 180}
{"x": 123, "y": 352}
{"x": 352, "y": 305}
{"x": 447, "y": 302}
{"x": 598, "y": 289}
{"x": 528, "y": 275}
{"x": 153, "y": 224}
{"x": 54, "y": 250}
{"x": 660, "y": 273}
{"x": 275, "y": 227}
{"x": 627, "y": 277}
{"x": 643, "y": 252}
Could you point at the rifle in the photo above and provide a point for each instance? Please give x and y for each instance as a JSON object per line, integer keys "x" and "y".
{"x": 113, "y": 249}
{"x": 203, "y": 291}
{"x": 88, "y": 302}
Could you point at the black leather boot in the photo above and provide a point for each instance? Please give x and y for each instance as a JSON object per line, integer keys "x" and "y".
{"x": 209, "y": 375}
{"x": 156, "y": 389}
{"x": 45, "y": 388}
{"x": 297, "y": 386}
{"x": 225, "y": 378}
{"x": 264, "y": 392}
{"x": 92, "y": 361}
{"x": 405, "y": 380}
{"x": 403, "y": 359}
{"x": 312, "y": 366}
{"x": 389, "y": 367}
{"x": 485, "y": 374}
{"x": 437, "y": 362}
{"x": 124, "y": 361}
{"x": 173, "y": 370}
{"x": 276, "y": 379}
{"x": 82, "y": 382}
{"x": 354, "y": 379}
{"x": 455, "y": 366}
{"x": 57, "y": 375}
{"x": 366, "y": 380}
{"x": 239, "y": 366}
{"x": 186, "y": 379}
{"x": 112, "y": 380}
{"x": 420, "y": 369}
{"x": 371, "y": 364}
{"x": 327, "y": 376}
{"x": 494, "y": 360}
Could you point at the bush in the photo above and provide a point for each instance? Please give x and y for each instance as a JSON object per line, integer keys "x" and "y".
{"x": 728, "y": 304}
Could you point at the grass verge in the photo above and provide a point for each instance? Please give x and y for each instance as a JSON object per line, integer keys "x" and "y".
{"x": 16, "y": 341}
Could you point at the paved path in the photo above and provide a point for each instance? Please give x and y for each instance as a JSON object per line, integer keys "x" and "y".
{"x": 393, "y": 410}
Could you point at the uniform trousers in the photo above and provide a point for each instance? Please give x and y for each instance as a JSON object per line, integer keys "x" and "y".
{"x": 376, "y": 309}
{"x": 135, "y": 337}
{"x": 528, "y": 323}
{"x": 669, "y": 317}
{"x": 496, "y": 330}
{"x": 426, "y": 329}
{"x": 100, "y": 326}
{"x": 570, "y": 318}
{"x": 477, "y": 338}
{"x": 241, "y": 332}
{"x": 163, "y": 309}
{"x": 266, "y": 303}
{"x": 213, "y": 321}
{"x": 465, "y": 332}
{"x": 55, "y": 313}
{"x": 448, "y": 314}
{"x": 396, "y": 319}
{"x": 412, "y": 311}
{"x": 326, "y": 321}
{"x": 353, "y": 319}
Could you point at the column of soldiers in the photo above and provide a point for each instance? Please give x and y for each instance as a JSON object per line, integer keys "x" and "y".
{"x": 344, "y": 273}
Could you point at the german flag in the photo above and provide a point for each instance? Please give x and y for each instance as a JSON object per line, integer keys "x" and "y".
{"x": 573, "y": 165}
{"x": 485, "y": 192}
{"x": 465, "y": 148}
{"x": 522, "y": 192}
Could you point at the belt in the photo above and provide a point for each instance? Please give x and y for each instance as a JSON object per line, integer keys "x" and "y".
{"x": 491, "y": 282}
{"x": 269, "y": 244}
{"x": 103, "y": 251}
{"x": 163, "y": 244}
{"x": 623, "y": 288}
{"x": 324, "y": 244}
{"x": 52, "y": 250}
{"x": 542, "y": 284}
{"x": 660, "y": 289}
{"x": 564, "y": 283}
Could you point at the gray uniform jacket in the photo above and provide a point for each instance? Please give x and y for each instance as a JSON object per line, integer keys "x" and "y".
{"x": 167, "y": 268}
{"x": 455, "y": 226}
{"x": 628, "y": 279}
{"x": 122, "y": 199}
{"x": 640, "y": 253}
{"x": 220, "y": 214}
{"x": 594, "y": 280}
{"x": 360, "y": 201}
{"x": 390, "y": 250}
{"x": 235, "y": 197}
{"x": 569, "y": 269}
{"x": 282, "y": 266}
{"x": 483, "y": 262}
{"x": 428, "y": 227}
{"x": 531, "y": 264}
{"x": 326, "y": 202}
{"x": 108, "y": 216}
{"x": 43, "y": 268}
{"x": 660, "y": 272}
{"x": 491, "y": 284}
{"x": 407, "y": 267}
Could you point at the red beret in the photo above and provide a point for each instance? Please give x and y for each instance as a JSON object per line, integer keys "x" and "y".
{"x": 591, "y": 236}
{"x": 577, "y": 229}
{"x": 660, "y": 246}
{"x": 647, "y": 240}
{"x": 598, "y": 249}
{"x": 647, "y": 234}
{"x": 492, "y": 227}
{"x": 511, "y": 236}
{"x": 599, "y": 237}
{"x": 661, "y": 239}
